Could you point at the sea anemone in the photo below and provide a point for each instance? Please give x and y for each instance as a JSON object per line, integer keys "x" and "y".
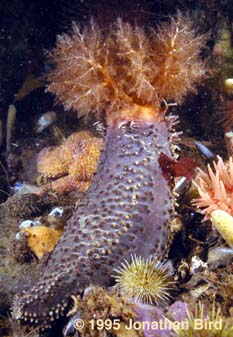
{"x": 145, "y": 281}
{"x": 215, "y": 188}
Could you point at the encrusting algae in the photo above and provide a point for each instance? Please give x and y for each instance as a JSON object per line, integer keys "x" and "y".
{"x": 127, "y": 74}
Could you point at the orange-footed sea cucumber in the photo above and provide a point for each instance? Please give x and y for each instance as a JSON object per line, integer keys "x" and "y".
{"x": 127, "y": 74}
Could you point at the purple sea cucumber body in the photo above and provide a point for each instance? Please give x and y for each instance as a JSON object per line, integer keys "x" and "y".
{"x": 126, "y": 211}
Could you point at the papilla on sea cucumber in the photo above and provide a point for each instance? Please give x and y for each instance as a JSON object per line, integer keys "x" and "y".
{"x": 126, "y": 74}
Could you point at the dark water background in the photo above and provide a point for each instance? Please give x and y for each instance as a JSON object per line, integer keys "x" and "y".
{"x": 28, "y": 28}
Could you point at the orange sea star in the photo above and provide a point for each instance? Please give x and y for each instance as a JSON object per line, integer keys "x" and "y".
{"x": 72, "y": 164}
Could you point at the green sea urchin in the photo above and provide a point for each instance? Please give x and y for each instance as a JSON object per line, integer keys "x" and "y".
{"x": 145, "y": 280}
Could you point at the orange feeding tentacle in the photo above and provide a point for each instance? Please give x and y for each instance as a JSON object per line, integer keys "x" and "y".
{"x": 126, "y": 71}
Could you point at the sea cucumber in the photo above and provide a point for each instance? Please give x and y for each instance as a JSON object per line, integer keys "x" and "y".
{"x": 128, "y": 206}
{"x": 125, "y": 211}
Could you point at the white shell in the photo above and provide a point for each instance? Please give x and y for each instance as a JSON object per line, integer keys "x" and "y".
{"x": 26, "y": 224}
{"x": 57, "y": 212}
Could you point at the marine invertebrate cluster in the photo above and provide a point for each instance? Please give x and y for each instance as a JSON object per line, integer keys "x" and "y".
{"x": 215, "y": 188}
{"x": 203, "y": 323}
{"x": 146, "y": 281}
{"x": 127, "y": 74}
{"x": 103, "y": 313}
{"x": 73, "y": 163}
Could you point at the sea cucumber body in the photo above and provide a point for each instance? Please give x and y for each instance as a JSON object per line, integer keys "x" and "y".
{"x": 126, "y": 211}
